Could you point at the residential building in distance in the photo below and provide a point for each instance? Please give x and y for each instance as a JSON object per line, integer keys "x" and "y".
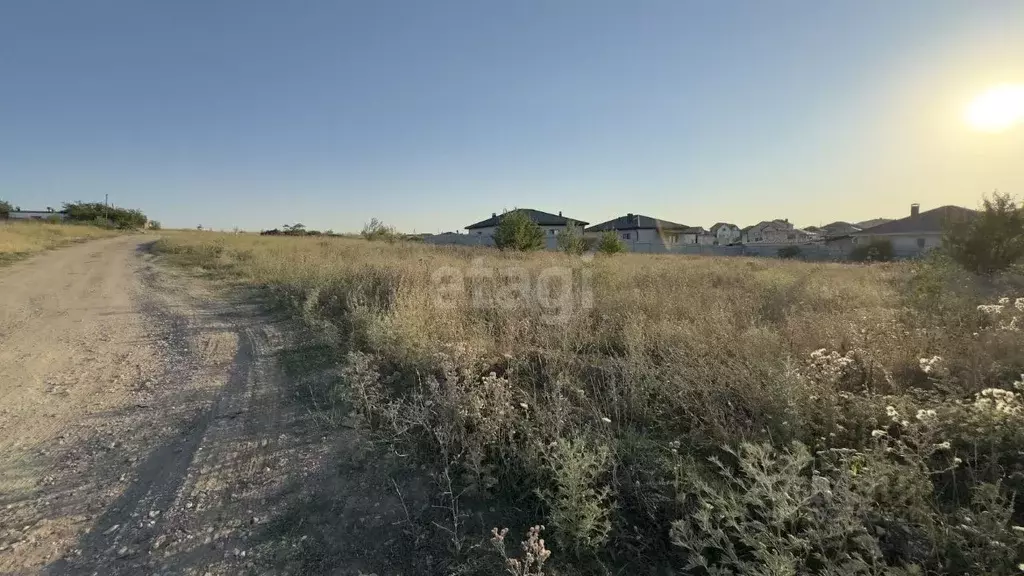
{"x": 725, "y": 233}
{"x": 552, "y": 224}
{"x": 778, "y": 231}
{"x": 36, "y": 215}
{"x": 917, "y": 233}
{"x": 643, "y": 233}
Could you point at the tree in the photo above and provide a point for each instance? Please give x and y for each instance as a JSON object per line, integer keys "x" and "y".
{"x": 991, "y": 242}
{"x": 5, "y": 209}
{"x": 154, "y": 225}
{"x": 516, "y": 231}
{"x": 95, "y": 212}
{"x": 610, "y": 243}
{"x": 377, "y": 230}
{"x": 571, "y": 240}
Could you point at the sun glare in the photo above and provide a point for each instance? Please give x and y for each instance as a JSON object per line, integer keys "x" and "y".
{"x": 997, "y": 109}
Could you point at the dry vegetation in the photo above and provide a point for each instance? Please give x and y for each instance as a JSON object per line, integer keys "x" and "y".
{"x": 20, "y": 239}
{"x": 672, "y": 414}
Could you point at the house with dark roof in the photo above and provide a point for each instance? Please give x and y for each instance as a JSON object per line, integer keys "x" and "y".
{"x": 836, "y": 229}
{"x": 917, "y": 233}
{"x": 552, "y": 224}
{"x": 644, "y": 233}
{"x": 778, "y": 231}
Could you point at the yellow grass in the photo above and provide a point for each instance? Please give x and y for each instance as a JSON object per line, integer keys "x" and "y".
{"x": 590, "y": 395}
{"x": 19, "y": 239}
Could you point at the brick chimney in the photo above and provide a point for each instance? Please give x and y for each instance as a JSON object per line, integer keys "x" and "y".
{"x": 559, "y": 212}
{"x": 494, "y": 214}
{"x": 915, "y": 209}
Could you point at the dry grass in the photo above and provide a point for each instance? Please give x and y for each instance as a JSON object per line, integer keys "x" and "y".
{"x": 580, "y": 393}
{"x": 20, "y": 239}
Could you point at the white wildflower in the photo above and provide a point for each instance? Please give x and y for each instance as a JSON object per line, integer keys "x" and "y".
{"x": 1019, "y": 304}
{"x": 1018, "y": 528}
{"x": 942, "y": 445}
{"x": 877, "y": 433}
{"x": 957, "y": 461}
{"x": 524, "y": 405}
{"x": 606, "y": 420}
{"x": 1004, "y": 301}
{"x": 990, "y": 308}
{"x": 891, "y": 412}
{"x": 925, "y": 415}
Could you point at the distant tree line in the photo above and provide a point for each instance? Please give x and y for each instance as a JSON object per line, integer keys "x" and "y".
{"x": 297, "y": 229}
{"x": 95, "y": 213}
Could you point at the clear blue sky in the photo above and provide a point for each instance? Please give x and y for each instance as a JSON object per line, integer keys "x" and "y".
{"x": 431, "y": 115}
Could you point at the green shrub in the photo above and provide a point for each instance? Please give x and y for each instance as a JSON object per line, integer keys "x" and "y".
{"x": 579, "y": 506}
{"x": 610, "y": 243}
{"x": 376, "y": 230}
{"x": 5, "y": 209}
{"x": 154, "y": 225}
{"x": 993, "y": 241}
{"x": 878, "y": 250}
{"x": 789, "y": 252}
{"x": 571, "y": 240}
{"x": 516, "y": 231}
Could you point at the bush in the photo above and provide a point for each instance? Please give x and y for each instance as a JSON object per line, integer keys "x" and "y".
{"x": 516, "y": 231}
{"x": 610, "y": 243}
{"x": 93, "y": 212}
{"x": 789, "y": 252}
{"x": 993, "y": 241}
{"x": 376, "y": 230}
{"x": 571, "y": 240}
{"x": 878, "y": 250}
{"x": 154, "y": 225}
{"x": 5, "y": 209}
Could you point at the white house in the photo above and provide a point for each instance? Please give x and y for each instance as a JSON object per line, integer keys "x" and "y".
{"x": 552, "y": 224}
{"x": 643, "y": 233}
{"x": 917, "y": 233}
{"x": 724, "y": 233}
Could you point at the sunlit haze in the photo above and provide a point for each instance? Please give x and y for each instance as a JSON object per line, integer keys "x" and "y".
{"x": 432, "y": 115}
{"x": 998, "y": 109}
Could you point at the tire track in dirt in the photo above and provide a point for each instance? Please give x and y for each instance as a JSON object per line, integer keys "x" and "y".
{"x": 146, "y": 427}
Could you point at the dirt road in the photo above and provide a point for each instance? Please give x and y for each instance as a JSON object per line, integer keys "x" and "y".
{"x": 143, "y": 424}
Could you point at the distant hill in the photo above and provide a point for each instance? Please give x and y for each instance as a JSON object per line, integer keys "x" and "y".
{"x": 871, "y": 223}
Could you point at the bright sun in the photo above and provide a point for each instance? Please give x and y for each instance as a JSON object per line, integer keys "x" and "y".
{"x": 997, "y": 109}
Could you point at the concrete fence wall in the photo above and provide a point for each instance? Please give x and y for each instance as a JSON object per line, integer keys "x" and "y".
{"x": 810, "y": 252}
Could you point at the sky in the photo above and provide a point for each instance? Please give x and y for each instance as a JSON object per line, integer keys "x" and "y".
{"x": 431, "y": 115}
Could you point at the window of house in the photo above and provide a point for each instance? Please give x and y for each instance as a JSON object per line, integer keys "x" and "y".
{"x": 920, "y": 242}
{"x": 625, "y": 235}
{"x": 674, "y": 238}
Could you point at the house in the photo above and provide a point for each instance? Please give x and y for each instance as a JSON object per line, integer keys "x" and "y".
{"x": 777, "y": 231}
{"x": 917, "y": 233}
{"x": 36, "y": 215}
{"x": 641, "y": 232}
{"x": 696, "y": 235}
{"x": 552, "y": 224}
{"x": 837, "y": 229}
{"x": 724, "y": 233}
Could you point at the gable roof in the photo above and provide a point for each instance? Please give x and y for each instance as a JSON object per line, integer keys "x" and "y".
{"x": 694, "y": 230}
{"x": 636, "y": 222}
{"x": 541, "y": 218}
{"x": 722, "y": 225}
{"x": 930, "y": 221}
{"x": 872, "y": 223}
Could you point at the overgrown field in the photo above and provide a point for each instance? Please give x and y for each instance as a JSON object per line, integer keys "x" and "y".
{"x": 670, "y": 414}
{"x": 20, "y": 239}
